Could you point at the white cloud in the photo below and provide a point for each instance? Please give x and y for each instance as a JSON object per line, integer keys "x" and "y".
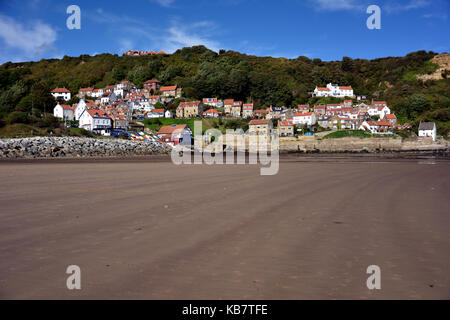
{"x": 31, "y": 40}
{"x": 189, "y": 35}
{"x": 139, "y": 35}
{"x": 164, "y": 3}
{"x": 411, "y": 5}
{"x": 335, "y": 5}
{"x": 442, "y": 16}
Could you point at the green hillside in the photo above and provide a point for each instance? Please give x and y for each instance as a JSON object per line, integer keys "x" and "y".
{"x": 262, "y": 80}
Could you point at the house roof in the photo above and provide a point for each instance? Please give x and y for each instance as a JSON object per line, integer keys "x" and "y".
{"x": 212, "y": 111}
{"x": 380, "y": 123}
{"x": 426, "y": 126}
{"x": 305, "y": 114}
{"x": 322, "y": 89}
{"x": 346, "y": 88}
{"x": 66, "y": 107}
{"x": 228, "y": 101}
{"x": 152, "y": 81}
{"x": 188, "y": 104}
{"x": 85, "y": 89}
{"x": 259, "y": 122}
{"x": 285, "y": 123}
{"x": 390, "y": 116}
{"x": 172, "y": 128}
{"x": 97, "y": 113}
{"x": 60, "y": 90}
{"x": 168, "y": 88}
{"x": 158, "y": 110}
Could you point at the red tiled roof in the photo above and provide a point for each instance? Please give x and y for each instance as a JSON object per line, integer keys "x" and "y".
{"x": 305, "y": 114}
{"x": 170, "y": 129}
{"x": 285, "y": 123}
{"x": 97, "y": 113}
{"x": 189, "y": 104}
{"x": 60, "y": 90}
{"x": 212, "y": 111}
{"x": 168, "y": 88}
{"x": 152, "y": 81}
{"x": 384, "y": 122}
{"x": 258, "y": 122}
{"x": 66, "y": 107}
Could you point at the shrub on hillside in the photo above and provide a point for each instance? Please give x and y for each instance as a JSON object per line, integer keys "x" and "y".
{"x": 17, "y": 117}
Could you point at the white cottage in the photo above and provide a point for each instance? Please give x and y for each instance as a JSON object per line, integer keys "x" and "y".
{"x": 61, "y": 93}
{"x": 427, "y": 129}
{"x": 304, "y": 118}
{"x": 63, "y": 111}
{"x": 96, "y": 121}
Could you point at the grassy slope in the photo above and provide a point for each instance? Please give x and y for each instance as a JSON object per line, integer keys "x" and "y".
{"x": 347, "y": 133}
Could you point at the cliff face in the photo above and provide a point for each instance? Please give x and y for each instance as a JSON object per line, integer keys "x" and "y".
{"x": 443, "y": 61}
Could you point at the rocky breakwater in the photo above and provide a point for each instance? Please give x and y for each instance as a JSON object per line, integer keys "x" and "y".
{"x": 75, "y": 147}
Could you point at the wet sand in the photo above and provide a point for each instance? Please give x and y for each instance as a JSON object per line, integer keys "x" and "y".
{"x": 147, "y": 229}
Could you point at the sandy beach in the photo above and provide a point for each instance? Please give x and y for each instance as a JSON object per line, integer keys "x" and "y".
{"x": 147, "y": 229}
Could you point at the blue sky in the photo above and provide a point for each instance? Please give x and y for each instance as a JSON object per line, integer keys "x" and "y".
{"x": 326, "y": 29}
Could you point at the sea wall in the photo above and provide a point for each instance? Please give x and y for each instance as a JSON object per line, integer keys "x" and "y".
{"x": 75, "y": 147}
{"x": 361, "y": 144}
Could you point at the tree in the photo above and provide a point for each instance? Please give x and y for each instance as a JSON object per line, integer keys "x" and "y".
{"x": 348, "y": 64}
{"x": 158, "y": 105}
{"x": 169, "y": 73}
{"x": 118, "y": 73}
{"x": 138, "y": 75}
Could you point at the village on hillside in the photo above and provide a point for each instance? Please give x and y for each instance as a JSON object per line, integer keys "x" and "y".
{"x": 113, "y": 110}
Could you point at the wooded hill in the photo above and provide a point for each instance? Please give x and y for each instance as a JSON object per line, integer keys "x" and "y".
{"x": 228, "y": 74}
